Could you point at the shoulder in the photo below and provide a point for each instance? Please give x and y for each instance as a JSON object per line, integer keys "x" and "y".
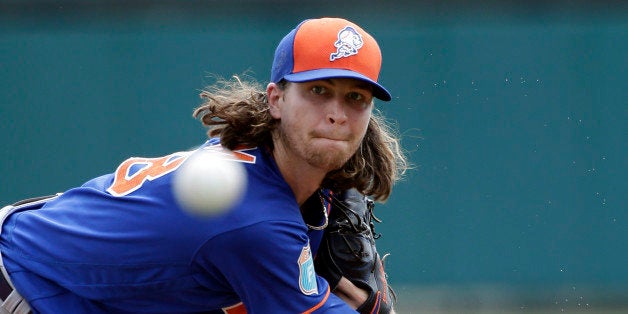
{"x": 272, "y": 242}
{"x": 264, "y": 235}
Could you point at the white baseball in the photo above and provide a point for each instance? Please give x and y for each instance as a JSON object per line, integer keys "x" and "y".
{"x": 209, "y": 182}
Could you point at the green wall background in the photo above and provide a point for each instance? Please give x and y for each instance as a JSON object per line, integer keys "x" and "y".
{"x": 514, "y": 114}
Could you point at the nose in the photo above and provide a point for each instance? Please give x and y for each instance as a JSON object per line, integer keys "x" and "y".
{"x": 336, "y": 112}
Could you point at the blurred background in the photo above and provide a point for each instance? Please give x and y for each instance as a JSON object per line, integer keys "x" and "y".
{"x": 512, "y": 112}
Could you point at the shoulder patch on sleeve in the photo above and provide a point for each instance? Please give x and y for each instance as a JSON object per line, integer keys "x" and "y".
{"x": 307, "y": 275}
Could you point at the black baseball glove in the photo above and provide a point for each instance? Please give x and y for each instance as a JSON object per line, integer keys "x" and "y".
{"x": 348, "y": 250}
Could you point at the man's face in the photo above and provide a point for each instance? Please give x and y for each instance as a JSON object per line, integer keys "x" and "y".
{"x": 322, "y": 122}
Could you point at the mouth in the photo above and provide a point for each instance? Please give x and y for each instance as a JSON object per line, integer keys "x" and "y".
{"x": 330, "y": 140}
{"x": 331, "y": 137}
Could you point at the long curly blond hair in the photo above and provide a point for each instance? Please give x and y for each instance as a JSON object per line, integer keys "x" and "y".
{"x": 237, "y": 111}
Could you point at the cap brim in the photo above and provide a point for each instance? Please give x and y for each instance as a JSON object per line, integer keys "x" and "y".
{"x": 379, "y": 91}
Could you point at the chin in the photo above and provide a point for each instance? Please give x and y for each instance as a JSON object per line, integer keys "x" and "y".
{"x": 327, "y": 164}
{"x": 329, "y": 159}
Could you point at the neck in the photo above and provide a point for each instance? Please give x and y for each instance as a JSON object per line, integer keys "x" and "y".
{"x": 302, "y": 178}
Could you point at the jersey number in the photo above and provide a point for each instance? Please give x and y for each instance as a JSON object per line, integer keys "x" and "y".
{"x": 133, "y": 172}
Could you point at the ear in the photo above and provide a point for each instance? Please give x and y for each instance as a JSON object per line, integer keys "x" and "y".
{"x": 274, "y": 95}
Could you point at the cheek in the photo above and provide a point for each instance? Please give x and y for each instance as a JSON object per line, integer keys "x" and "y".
{"x": 305, "y": 115}
{"x": 361, "y": 123}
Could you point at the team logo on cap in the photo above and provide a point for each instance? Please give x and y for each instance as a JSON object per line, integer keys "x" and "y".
{"x": 348, "y": 43}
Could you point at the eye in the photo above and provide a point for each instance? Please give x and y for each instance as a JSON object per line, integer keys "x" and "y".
{"x": 355, "y": 96}
{"x": 318, "y": 90}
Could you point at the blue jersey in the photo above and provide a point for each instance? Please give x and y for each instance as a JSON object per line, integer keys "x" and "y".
{"x": 121, "y": 244}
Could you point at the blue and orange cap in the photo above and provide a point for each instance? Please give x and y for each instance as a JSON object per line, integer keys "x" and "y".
{"x": 329, "y": 48}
